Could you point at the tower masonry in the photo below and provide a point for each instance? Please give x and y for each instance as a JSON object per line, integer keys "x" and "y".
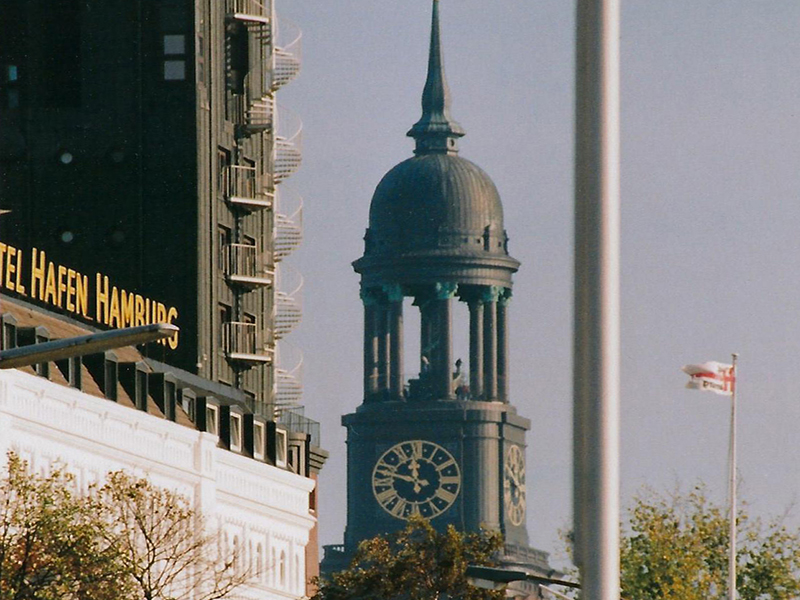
{"x": 446, "y": 443}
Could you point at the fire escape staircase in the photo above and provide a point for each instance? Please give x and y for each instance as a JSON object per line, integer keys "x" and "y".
{"x": 288, "y": 225}
{"x": 287, "y": 57}
{"x": 289, "y": 374}
{"x": 288, "y": 304}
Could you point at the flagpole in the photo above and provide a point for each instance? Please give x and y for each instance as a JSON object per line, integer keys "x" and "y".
{"x": 596, "y": 317}
{"x": 732, "y": 491}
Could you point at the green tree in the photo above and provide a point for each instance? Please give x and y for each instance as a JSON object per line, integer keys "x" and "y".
{"x": 164, "y": 547}
{"x": 51, "y": 547}
{"x": 416, "y": 563}
{"x": 125, "y": 539}
{"x": 676, "y": 548}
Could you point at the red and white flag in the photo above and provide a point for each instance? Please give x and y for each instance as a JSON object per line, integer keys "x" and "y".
{"x": 711, "y": 377}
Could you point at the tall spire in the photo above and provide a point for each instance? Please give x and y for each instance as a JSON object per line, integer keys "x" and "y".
{"x": 436, "y": 132}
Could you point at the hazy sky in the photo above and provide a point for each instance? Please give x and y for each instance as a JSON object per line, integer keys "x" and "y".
{"x": 710, "y": 218}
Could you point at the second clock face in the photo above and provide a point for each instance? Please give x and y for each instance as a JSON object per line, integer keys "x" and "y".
{"x": 514, "y": 484}
{"x": 416, "y": 477}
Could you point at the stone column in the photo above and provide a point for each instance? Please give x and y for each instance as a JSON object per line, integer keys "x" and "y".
{"x": 383, "y": 347}
{"x": 425, "y": 341}
{"x": 395, "y": 296}
{"x": 476, "y": 348}
{"x": 502, "y": 345}
{"x": 490, "y": 343}
{"x": 370, "y": 346}
{"x": 444, "y": 354}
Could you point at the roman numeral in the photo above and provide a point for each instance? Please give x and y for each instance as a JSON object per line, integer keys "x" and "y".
{"x": 416, "y": 449}
{"x": 449, "y": 462}
{"x": 399, "y": 509}
{"x": 401, "y": 454}
{"x": 445, "y": 495}
{"x": 386, "y": 495}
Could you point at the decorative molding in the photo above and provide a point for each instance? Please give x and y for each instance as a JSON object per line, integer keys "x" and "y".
{"x": 46, "y": 423}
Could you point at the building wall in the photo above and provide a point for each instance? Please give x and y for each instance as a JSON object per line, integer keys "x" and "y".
{"x": 123, "y": 121}
{"x": 262, "y": 509}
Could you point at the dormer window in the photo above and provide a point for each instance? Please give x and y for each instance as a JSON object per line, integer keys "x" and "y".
{"x": 236, "y": 432}
{"x": 280, "y": 447}
{"x": 259, "y": 440}
{"x": 212, "y": 419}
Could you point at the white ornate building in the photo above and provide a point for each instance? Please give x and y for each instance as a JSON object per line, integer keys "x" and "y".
{"x": 266, "y": 511}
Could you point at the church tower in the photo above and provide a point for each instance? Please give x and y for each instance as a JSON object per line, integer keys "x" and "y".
{"x": 443, "y": 444}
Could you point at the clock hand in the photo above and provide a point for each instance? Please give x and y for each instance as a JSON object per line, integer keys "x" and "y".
{"x": 513, "y": 476}
{"x": 415, "y": 480}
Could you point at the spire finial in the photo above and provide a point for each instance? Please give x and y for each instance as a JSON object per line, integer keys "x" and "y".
{"x": 436, "y": 132}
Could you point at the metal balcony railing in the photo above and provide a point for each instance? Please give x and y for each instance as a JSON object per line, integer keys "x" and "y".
{"x": 294, "y": 420}
{"x": 247, "y": 267}
{"x": 243, "y": 188}
{"x": 248, "y": 10}
{"x": 288, "y": 223}
{"x": 245, "y": 344}
{"x": 287, "y": 57}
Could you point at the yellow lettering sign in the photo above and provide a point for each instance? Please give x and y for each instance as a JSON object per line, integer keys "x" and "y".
{"x": 71, "y": 291}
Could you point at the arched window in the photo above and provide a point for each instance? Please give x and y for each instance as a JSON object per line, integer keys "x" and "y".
{"x": 237, "y": 560}
{"x": 283, "y": 570}
{"x": 298, "y": 576}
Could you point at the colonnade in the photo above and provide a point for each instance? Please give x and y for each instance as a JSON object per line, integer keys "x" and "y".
{"x": 488, "y": 342}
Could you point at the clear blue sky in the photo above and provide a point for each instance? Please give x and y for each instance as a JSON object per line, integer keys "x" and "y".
{"x": 711, "y": 223}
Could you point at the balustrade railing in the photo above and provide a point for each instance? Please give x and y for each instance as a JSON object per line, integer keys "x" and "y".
{"x": 246, "y": 265}
{"x": 243, "y": 187}
{"x": 245, "y": 342}
{"x": 248, "y": 10}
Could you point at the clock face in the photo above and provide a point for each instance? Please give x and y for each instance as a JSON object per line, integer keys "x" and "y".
{"x": 514, "y": 484}
{"x": 416, "y": 477}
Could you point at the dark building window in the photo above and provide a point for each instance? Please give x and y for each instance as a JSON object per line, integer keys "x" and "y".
{"x": 224, "y": 171}
{"x": 238, "y": 58}
{"x": 58, "y": 29}
{"x": 225, "y": 314}
{"x": 11, "y": 86}
{"x": 249, "y": 175}
{"x": 224, "y": 239}
{"x": 13, "y": 51}
{"x": 174, "y": 57}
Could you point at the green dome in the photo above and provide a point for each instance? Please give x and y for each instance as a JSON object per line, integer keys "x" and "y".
{"x": 433, "y": 202}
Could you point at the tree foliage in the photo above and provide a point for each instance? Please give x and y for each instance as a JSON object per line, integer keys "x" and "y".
{"x": 164, "y": 548}
{"x": 124, "y": 539}
{"x": 50, "y": 543}
{"x": 416, "y": 563}
{"x": 676, "y": 548}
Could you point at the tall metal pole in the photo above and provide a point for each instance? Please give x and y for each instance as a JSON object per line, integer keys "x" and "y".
{"x": 732, "y": 482}
{"x": 596, "y": 318}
